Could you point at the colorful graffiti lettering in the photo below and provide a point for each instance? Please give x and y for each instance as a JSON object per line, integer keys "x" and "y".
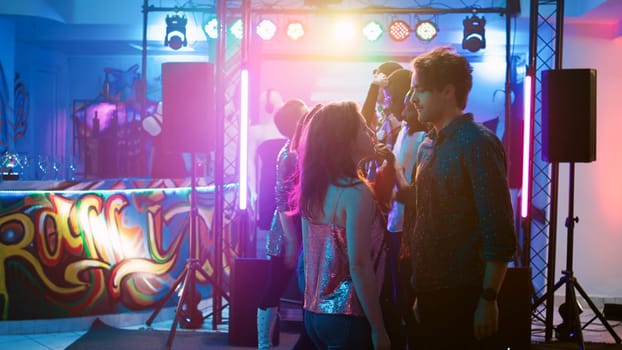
{"x": 74, "y": 254}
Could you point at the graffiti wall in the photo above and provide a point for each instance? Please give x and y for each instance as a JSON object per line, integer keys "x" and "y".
{"x": 76, "y": 253}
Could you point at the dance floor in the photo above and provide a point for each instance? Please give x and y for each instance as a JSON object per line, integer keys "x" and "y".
{"x": 113, "y": 332}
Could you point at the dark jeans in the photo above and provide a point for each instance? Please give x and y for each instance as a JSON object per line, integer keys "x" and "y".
{"x": 341, "y": 332}
{"x": 447, "y": 320}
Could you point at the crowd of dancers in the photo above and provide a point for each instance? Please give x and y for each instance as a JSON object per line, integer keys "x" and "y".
{"x": 396, "y": 216}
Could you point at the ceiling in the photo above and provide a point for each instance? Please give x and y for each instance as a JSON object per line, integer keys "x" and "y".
{"x": 91, "y": 27}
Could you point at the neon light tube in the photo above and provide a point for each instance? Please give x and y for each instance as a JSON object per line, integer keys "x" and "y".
{"x": 243, "y": 139}
{"x": 524, "y": 208}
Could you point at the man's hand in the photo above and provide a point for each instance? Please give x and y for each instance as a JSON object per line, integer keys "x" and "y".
{"x": 486, "y": 321}
{"x": 416, "y": 312}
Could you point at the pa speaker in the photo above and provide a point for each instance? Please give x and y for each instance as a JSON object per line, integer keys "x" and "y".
{"x": 248, "y": 280}
{"x": 187, "y": 106}
{"x": 515, "y": 309}
{"x": 569, "y": 115}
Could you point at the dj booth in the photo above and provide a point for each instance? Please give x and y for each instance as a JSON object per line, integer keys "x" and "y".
{"x": 72, "y": 249}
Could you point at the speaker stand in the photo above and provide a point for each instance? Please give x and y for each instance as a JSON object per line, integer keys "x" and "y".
{"x": 188, "y": 275}
{"x": 572, "y": 330}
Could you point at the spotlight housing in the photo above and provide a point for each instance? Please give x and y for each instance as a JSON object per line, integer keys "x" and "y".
{"x": 266, "y": 29}
{"x": 344, "y": 30}
{"x": 372, "y": 31}
{"x": 426, "y": 30}
{"x": 399, "y": 30}
{"x": 211, "y": 28}
{"x": 237, "y": 29}
{"x": 474, "y": 38}
{"x": 295, "y": 30}
{"x": 176, "y": 32}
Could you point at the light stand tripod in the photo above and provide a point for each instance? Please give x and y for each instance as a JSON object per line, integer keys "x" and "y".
{"x": 573, "y": 329}
{"x": 188, "y": 275}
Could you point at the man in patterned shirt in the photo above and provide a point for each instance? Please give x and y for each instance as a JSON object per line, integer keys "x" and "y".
{"x": 463, "y": 234}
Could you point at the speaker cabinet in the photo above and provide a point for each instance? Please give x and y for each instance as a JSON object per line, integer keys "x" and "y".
{"x": 569, "y": 115}
{"x": 248, "y": 279}
{"x": 515, "y": 309}
{"x": 187, "y": 106}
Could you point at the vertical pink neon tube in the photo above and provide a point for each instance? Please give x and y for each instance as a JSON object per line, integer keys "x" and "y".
{"x": 524, "y": 208}
{"x": 243, "y": 139}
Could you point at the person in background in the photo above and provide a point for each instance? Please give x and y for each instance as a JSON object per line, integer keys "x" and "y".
{"x": 283, "y": 240}
{"x": 342, "y": 231}
{"x": 264, "y": 144}
{"x": 463, "y": 235}
{"x": 374, "y": 101}
{"x": 397, "y": 294}
{"x": 374, "y": 110}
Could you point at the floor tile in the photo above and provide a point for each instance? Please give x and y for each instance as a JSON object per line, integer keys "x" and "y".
{"x": 23, "y": 343}
{"x": 56, "y": 341}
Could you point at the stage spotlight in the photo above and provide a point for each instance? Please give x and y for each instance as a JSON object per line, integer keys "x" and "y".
{"x": 211, "y": 28}
{"x": 373, "y": 31}
{"x": 399, "y": 30}
{"x": 474, "y": 33}
{"x": 295, "y": 30}
{"x": 426, "y": 30}
{"x": 176, "y": 32}
{"x": 266, "y": 29}
{"x": 344, "y": 30}
{"x": 237, "y": 29}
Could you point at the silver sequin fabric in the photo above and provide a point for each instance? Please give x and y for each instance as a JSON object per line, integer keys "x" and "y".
{"x": 285, "y": 181}
{"x": 328, "y": 284}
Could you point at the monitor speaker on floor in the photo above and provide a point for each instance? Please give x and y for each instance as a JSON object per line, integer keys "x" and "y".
{"x": 248, "y": 279}
{"x": 515, "y": 309}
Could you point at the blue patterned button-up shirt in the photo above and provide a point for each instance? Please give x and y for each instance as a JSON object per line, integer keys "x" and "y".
{"x": 463, "y": 209}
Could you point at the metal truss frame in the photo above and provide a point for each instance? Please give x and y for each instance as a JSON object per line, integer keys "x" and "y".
{"x": 545, "y": 52}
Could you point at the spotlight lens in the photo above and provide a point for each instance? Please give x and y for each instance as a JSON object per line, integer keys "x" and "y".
{"x": 372, "y": 31}
{"x": 266, "y": 29}
{"x": 237, "y": 29}
{"x": 211, "y": 28}
{"x": 295, "y": 30}
{"x": 472, "y": 44}
{"x": 399, "y": 30}
{"x": 426, "y": 30}
{"x": 344, "y": 30}
{"x": 175, "y": 42}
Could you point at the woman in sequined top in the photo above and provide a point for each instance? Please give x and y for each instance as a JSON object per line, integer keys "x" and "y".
{"x": 283, "y": 240}
{"x": 341, "y": 230}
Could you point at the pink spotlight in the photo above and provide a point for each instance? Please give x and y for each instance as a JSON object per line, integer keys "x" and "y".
{"x": 524, "y": 208}
{"x": 243, "y": 139}
{"x": 399, "y": 30}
